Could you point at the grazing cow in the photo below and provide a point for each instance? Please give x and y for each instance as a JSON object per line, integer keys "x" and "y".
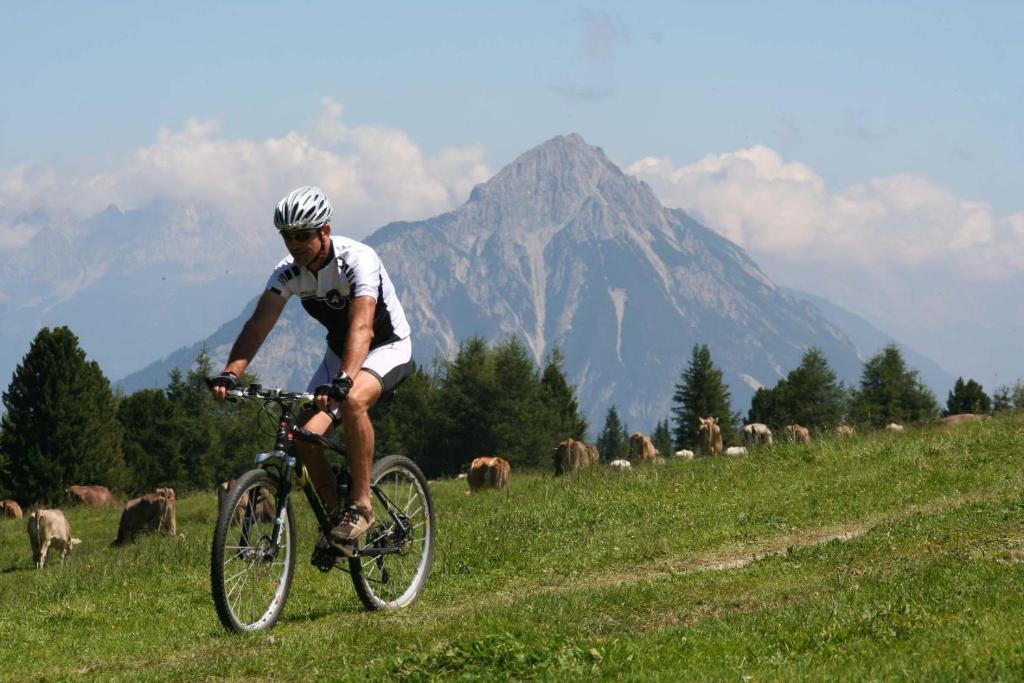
{"x": 757, "y": 434}
{"x": 571, "y": 455}
{"x": 153, "y": 512}
{"x": 93, "y": 496}
{"x": 264, "y": 512}
{"x": 620, "y": 465}
{"x": 9, "y": 509}
{"x": 488, "y": 472}
{"x": 736, "y": 450}
{"x": 954, "y": 420}
{"x": 709, "y": 435}
{"x": 46, "y": 529}
{"x": 893, "y": 427}
{"x": 684, "y": 453}
{"x": 844, "y": 430}
{"x": 642, "y": 450}
{"x": 797, "y": 434}
{"x": 461, "y": 475}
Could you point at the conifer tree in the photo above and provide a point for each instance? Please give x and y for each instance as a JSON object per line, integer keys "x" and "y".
{"x": 152, "y": 425}
{"x": 198, "y": 435}
{"x": 60, "y": 426}
{"x": 766, "y": 406}
{"x": 701, "y": 393}
{"x": 662, "y": 438}
{"x": 612, "y": 437}
{"x": 407, "y": 423}
{"x": 467, "y": 389}
{"x": 520, "y": 413}
{"x": 563, "y": 409}
{"x": 891, "y": 392}
{"x": 967, "y": 397}
{"x": 1009, "y": 397}
{"x": 814, "y": 398}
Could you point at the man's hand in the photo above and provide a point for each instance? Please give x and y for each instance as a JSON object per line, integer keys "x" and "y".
{"x": 337, "y": 390}
{"x": 222, "y": 384}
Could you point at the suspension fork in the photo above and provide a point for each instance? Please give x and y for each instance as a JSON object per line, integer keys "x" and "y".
{"x": 284, "y": 490}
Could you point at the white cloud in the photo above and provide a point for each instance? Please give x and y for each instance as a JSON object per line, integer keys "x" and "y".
{"x": 784, "y": 210}
{"x": 373, "y": 175}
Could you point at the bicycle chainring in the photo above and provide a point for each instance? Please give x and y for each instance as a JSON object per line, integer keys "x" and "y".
{"x": 324, "y": 556}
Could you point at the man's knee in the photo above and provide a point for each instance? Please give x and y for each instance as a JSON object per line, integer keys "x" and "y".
{"x": 315, "y": 420}
{"x": 365, "y": 392}
{"x": 357, "y": 406}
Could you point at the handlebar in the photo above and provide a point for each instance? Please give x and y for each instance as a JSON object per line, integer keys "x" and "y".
{"x": 254, "y": 391}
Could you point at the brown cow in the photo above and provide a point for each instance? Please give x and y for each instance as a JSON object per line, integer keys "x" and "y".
{"x": 797, "y": 434}
{"x": 488, "y": 472}
{"x": 571, "y": 455}
{"x": 709, "y": 435}
{"x": 263, "y": 514}
{"x": 46, "y": 528}
{"x": 959, "y": 419}
{"x": 9, "y": 509}
{"x": 844, "y": 430}
{"x": 153, "y": 512}
{"x": 93, "y": 496}
{"x": 642, "y": 450}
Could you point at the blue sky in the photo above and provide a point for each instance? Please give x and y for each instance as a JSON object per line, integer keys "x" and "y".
{"x": 853, "y": 90}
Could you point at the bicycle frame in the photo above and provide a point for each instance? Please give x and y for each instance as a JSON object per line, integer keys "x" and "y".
{"x": 289, "y": 466}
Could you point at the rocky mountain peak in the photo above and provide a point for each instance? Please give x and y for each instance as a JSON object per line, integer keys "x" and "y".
{"x": 548, "y": 185}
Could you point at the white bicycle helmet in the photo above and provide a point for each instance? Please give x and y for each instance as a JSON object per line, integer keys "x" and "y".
{"x": 306, "y": 208}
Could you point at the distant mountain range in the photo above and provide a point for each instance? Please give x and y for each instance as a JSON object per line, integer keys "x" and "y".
{"x": 562, "y": 248}
{"x": 869, "y": 340}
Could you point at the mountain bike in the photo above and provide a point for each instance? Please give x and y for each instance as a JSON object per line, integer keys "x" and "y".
{"x": 254, "y": 543}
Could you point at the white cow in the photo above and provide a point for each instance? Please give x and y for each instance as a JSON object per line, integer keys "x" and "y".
{"x": 757, "y": 433}
{"x": 620, "y": 464}
{"x": 46, "y": 528}
{"x": 893, "y": 427}
{"x": 685, "y": 453}
{"x": 736, "y": 450}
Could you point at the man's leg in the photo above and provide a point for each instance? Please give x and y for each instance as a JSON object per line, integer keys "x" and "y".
{"x": 359, "y": 441}
{"x": 317, "y": 465}
{"x": 359, "y": 438}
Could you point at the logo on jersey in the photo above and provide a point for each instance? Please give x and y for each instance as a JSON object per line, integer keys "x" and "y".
{"x": 335, "y": 299}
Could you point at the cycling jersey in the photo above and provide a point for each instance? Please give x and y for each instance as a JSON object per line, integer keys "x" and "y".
{"x": 353, "y": 269}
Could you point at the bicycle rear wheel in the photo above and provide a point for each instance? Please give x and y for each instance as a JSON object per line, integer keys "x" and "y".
{"x": 250, "y": 578}
{"x": 404, "y": 510}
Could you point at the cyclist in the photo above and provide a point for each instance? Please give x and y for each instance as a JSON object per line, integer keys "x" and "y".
{"x": 342, "y": 284}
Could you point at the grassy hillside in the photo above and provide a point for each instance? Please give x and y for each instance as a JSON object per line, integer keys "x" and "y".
{"x": 884, "y": 557}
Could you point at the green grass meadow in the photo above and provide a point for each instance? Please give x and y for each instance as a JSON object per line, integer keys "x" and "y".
{"x": 883, "y": 557}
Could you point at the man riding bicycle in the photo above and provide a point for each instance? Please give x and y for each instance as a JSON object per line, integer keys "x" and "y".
{"x": 342, "y": 284}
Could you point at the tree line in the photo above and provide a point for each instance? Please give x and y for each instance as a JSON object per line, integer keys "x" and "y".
{"x": 812, "y": 396}
{"x": 64, "y": 424}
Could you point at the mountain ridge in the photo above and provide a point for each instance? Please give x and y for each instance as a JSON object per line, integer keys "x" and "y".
{"x": 561, "y": 247}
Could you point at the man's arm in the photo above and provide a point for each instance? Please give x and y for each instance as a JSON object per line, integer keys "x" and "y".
{"x": 360, "y": 334}
{"x": 255, "y": 330}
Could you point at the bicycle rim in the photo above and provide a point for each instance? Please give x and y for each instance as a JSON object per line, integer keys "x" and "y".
{"x": 397, "y": 580}
{"x": 250, "y": 581}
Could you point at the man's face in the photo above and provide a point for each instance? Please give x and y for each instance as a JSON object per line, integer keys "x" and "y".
{"x": 304, "y": 246}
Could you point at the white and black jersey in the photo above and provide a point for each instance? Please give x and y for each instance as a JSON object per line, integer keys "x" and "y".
{"x": 354, "y": 270}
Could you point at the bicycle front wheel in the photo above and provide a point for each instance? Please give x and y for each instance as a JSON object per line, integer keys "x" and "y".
{"x": 250, "y": 575}
{"x": 397, "y": 552}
